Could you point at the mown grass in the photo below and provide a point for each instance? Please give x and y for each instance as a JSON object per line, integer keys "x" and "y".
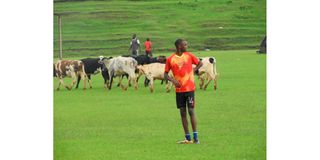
{"x": 100, "y": 124}
{"x": 106, "y": 27}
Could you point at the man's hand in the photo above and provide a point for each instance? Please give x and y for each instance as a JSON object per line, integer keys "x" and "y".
{"x": 176, "y": 83}
{"x": 196, "y": 69}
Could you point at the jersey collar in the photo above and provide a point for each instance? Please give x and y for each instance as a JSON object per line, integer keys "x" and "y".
{"x": 179, "y": 56}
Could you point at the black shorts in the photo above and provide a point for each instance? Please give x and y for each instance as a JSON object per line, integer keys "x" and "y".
{"x": 185, "y": 98}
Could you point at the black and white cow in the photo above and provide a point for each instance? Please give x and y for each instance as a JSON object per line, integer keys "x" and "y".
{"x": 144, "y": 59}
{"x": 93, "y": 67}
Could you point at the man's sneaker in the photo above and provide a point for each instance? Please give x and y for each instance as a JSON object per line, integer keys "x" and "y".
{"x": 185, "y": 142}
{"x": 196, "y": 141}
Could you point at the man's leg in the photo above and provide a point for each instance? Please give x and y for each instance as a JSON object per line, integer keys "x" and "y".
{"x": 134, "y": 53}
{"x": 181, "y": 105}
{"x": 193, "y": 119}
{"x": 183, "y": 113}
{"x": 192, "y": 115}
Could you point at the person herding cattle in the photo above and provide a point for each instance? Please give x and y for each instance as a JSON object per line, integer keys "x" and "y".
{"x": 134, "y": 45}
{"x": 180, "y": 63}
{"x": 147, "y": 45}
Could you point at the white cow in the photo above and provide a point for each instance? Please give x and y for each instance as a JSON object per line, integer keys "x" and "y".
{"x": 208, "y": 72}
{"x": 119, "y": 66}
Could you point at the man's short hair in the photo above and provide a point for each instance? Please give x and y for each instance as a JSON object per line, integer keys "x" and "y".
{"x": 178, "y": 42}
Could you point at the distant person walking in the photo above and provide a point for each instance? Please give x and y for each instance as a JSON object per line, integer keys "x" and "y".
{"x": 134, "y": 45}
{"x": 148, "y": 45}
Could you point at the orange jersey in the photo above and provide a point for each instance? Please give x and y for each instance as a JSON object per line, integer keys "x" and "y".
{"x": 148, "y": 44}
{"x": 181, "y": 67}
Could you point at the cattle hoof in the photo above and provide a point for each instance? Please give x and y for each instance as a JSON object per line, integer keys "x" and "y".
{"x": 90, "y": 87}
{"x": 215, "y": 87}
{"x": 84, "y": 89}
{"x": 58, "y": 89}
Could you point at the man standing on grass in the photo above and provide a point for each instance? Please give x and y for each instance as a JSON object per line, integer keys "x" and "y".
{"x": 134, "y": 45}
{"x": 148, "y": 45}
{"x": 180, "y": 63}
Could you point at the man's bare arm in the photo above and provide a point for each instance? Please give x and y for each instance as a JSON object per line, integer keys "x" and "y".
{"x": 175, "y": 82}
{"x": 198, "y": 66}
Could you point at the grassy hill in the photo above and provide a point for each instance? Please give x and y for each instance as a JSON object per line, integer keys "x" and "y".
{"x": 105, "y": 27}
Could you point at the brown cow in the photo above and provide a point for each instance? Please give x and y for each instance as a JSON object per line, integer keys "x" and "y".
{"x": 154, "y": 71}
{"x": 70, "y": 68}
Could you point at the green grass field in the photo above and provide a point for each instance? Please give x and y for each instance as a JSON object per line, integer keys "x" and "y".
{"x": 99, "y": 124}
{"x": 106, "y": 27}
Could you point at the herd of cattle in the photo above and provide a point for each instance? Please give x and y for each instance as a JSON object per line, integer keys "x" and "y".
{"x": 132, "y": 67}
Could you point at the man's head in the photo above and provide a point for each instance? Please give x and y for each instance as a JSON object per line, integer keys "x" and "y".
{"x": 148, "y": 39}
{"x": 181, "y": 45}
{"x": 134, "y": 36}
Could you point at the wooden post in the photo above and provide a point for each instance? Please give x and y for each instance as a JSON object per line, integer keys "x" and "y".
{"x": 60, "y": 37}
{"x": 60, "y": 29}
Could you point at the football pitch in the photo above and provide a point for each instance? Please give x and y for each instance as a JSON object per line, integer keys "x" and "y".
{"x": 100, "y": 124}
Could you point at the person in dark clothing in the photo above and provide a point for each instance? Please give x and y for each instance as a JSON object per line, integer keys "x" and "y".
{"x": 134, "y": 45}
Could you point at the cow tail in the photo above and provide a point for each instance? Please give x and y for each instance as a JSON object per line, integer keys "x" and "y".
{"x": 215, "y": 68}
{"x": 58, "y": 69}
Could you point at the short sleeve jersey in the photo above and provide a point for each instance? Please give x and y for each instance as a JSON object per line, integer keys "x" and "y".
{"x": 181, "y": 67}
{"x": 148, "y": 44}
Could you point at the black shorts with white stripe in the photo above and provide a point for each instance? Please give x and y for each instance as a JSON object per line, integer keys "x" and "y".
{"x": 184, "y": 99}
